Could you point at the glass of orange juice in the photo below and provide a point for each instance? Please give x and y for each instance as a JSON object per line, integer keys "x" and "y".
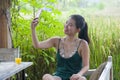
{"x": 18, "y": 60}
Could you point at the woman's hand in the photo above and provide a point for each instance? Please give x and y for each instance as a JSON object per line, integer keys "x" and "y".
{"x": 76, "y": 77}
{"x": 34, "y": 23}
{"x": 35, "y": 20}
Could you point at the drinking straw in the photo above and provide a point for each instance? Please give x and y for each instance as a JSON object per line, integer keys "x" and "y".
{"x": 18, "y": 51}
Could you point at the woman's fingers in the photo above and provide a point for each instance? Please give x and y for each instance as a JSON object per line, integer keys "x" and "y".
{"x": 34, "y": 23}
{"x": 35, "y": 20}
{"x": 74, "y": 77}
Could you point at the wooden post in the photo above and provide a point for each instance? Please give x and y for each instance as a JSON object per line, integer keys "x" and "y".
{"x": 3, "y": 30}
{"x": 5, "y": 38}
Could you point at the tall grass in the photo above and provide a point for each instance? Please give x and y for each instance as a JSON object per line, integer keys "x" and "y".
{"x": 104, "y": 32}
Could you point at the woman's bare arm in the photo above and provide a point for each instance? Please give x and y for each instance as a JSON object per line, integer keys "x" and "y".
{"x": 85, "y": 57}
{"x": 52, "y": 42}
{"x": 41, "y": 44}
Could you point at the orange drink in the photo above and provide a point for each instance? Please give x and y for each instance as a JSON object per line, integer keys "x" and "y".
{"x": 18, "y": 60}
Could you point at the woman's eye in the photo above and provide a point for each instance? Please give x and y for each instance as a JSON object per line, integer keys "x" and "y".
{"x": 70, "y": 25}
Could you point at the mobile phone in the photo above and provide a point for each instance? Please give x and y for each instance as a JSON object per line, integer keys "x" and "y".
{"x": 38, "y": 13}
{"x": 40, "y": 10}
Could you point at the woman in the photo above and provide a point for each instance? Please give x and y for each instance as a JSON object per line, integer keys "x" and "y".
{"x": 72, "y": 51}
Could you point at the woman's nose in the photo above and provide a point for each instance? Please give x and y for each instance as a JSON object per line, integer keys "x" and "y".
{"x": 66, "y": 25}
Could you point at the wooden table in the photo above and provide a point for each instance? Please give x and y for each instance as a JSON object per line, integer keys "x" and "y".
{"x": 8, "y": 69}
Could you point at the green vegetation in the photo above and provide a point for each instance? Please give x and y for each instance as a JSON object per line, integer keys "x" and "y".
{"x": 104, "y": 32}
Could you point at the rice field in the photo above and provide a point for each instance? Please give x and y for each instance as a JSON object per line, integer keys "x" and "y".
{"x": 104, "y": 32}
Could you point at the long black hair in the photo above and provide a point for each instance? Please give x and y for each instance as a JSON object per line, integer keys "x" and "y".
{"x": 81, "y": 23}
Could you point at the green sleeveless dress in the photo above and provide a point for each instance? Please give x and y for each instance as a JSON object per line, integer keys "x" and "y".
{"x": 68, "y": 66}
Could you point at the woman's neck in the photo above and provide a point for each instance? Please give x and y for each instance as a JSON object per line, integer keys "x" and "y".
{"x": 70, "y": 38}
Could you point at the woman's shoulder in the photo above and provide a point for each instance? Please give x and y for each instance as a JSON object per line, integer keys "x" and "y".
{"x": 83, "y": 42}
{"x": 56, "y": 40}
{"x": 83, "y": 46}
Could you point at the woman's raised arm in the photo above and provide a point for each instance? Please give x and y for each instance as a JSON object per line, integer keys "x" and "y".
{"x": 41, "y": 44}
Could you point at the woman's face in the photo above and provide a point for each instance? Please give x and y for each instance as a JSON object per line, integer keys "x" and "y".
{"x": 70, "y": 27}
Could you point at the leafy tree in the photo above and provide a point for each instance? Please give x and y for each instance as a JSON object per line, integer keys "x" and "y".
{"x": 22, "y": 13}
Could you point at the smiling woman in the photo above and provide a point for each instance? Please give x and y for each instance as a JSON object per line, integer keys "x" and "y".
{"x": 72, "y": 51}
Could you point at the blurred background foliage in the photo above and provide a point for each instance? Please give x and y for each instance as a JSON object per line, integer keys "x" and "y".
{"x": 102, "y": 16}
